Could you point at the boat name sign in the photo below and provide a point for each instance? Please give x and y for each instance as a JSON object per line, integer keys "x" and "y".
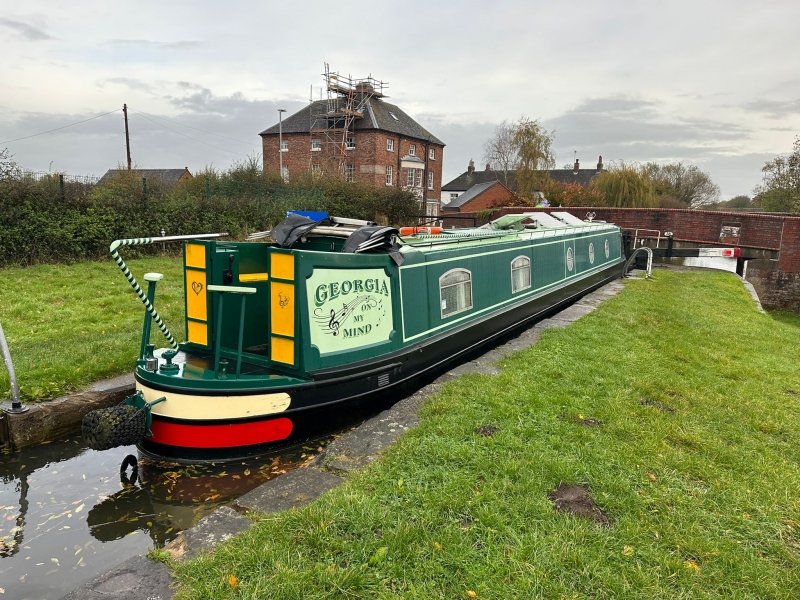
{"x": 349, "y": 308}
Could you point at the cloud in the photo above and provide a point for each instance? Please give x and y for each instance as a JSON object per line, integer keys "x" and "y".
{"x": 774, "y": 109}
{"x": 26, "y": 30}
{"x": 134, "y": 43}
{"x": 137, "y": 85}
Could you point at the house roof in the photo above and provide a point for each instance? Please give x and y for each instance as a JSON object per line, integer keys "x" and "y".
{"x": 472, "y": 193}
{"x": 466, "y": 180}
{"x": 168, "y": 176}
{"x": 377, "y": 115}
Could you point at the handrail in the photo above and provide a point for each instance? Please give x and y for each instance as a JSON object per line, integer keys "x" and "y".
{"x": 16, "y": 403}
{"x": 132, "y": 280}
{"x": 649, "y": 271}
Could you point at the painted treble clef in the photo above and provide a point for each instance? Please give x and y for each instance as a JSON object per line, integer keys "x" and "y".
{"x": 333, "y": 323}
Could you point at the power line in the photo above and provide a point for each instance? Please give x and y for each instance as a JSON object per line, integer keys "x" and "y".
{"x": 58, "y": 128}
{"x": 188, "y": 136}
{"x": 195, "y": 128}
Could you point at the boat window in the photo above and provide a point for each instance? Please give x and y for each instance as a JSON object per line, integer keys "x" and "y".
{"x": 520, "y": 274}
{"x": 455, "y": 292}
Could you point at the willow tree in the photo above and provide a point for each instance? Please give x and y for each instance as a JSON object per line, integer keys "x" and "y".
{"x": 627, "y": 186}
{"x": 535, "y": 155}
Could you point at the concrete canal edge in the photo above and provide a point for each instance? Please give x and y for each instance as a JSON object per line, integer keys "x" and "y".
{"x": 140, "y": 577}
{"x": 48, "y": 421}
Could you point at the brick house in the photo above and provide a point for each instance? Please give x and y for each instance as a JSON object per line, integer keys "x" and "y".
{"x": 453, "y": 189}
{"x": 383, "y": 147}
{"x": 480, "y": 197}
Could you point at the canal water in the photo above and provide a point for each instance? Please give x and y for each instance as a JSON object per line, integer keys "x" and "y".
{"x": 67, "y": 514}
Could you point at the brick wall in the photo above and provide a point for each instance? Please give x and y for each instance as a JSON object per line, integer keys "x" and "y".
{"x": 370, "y": 157}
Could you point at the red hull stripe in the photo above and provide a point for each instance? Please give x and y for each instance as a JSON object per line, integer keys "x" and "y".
{"x": 220, "y": 436}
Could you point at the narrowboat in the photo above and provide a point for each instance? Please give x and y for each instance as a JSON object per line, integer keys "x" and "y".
{"x": 297, "y": 324}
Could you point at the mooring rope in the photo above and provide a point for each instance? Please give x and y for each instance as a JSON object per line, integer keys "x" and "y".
{"x": 135, "y": 285}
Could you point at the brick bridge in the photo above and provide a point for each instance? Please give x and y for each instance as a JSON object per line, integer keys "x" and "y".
{"x": 770, "y": 244}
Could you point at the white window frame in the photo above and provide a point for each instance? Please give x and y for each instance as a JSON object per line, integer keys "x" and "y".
{"x": 285, "y": 173}
{"x": 468, "y": 283}
{"x": 526, "y": 264}
{"x": 316, "y": 169}
{"x": 316, "y": 145}
{"x": 412, "y": 150}
{"x": 350, "y": 173}
{"x": 389, "y": 174}
{"x": 431, "y": 209}
{"x": 430, "y": 180}
{"x": 454, "y": 195}
{"x": 350, "y": 143}
{"x": 419, "y": 177}
{"x": 389, "y": 145}
{"x": 410, "y": 178}
{"x": 431, "y": 153}
{"x": 285, "y": 146}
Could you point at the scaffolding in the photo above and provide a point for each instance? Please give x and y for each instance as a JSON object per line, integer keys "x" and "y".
{"x": 333, "y": 119}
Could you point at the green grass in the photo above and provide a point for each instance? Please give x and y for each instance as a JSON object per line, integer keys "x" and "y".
{"x": 703, "y": 501}
{"x": 70, "y": 325}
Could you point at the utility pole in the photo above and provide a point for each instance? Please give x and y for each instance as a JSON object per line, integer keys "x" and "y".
{"x": 127, "y": 135}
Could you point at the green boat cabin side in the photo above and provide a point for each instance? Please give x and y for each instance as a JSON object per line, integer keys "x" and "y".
{"x": 316, "y": 308}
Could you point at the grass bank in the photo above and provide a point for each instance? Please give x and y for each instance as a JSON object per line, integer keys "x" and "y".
{"x": 694, "y": 455}
{"x": 71, "y": 325}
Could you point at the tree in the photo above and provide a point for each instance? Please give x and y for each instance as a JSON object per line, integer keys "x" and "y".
{"x": 780, "y": 190}
{"x": 687, "y": 184}
{"x": 501, "y": 151}
{"x": 628, "y": 186}
{"x": 535, "y": 155}
{"x": 8, "y": 168}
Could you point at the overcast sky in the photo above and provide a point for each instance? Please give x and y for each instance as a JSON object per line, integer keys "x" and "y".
{"x": 715, "y": 84}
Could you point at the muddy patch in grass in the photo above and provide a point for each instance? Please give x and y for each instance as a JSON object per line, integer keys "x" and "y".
{"x": 658, "y": 406}
{"x": 575, "y": 500}
{"x": 486, "y": 430}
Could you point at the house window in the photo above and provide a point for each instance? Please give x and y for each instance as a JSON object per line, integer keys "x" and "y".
{"x": 453, "y": 196}
{"x": 432, "y": 209}
{"x": 430, "y": 180}
{"x": 455, "y": 292}
{"x": 390, "y": 145}
{"x": 350, "y": 143}
{"x": 285, "y": 146}
{"x": 410, "y": 178}
{"x": 432, "y": 153}
{"x": 285, "y": 173}
{"x": 419, "y": 177}
{"x": 316, "y": 170}
{"x": 389, "y": 173}
{"x": 412, "y": 150}
{"x": 316, "y": 145}
{"x": 350, "y": 172}
{"x": 520, "y": 274}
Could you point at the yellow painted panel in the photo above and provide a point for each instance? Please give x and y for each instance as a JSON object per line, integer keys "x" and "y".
{"x": 252, "y": 277}
{"x": 196, "y": 256}
{"x": 282, "y": 308}
{"x": 196, "y": 295}
{"x": 197, "y": 332}
{"x": 282, "y": 350}
{"x": 282, "y": 266}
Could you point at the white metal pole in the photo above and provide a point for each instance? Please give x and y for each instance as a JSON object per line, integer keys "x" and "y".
{"x": 280, "y": 139}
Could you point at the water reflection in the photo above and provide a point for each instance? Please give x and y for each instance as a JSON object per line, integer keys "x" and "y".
{"x": 67, "y": 515}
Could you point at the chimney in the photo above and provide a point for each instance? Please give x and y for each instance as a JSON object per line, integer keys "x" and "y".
{"x": 488, "y": 167}
{"x": 600, "y": 164}
{"x": 471, "y": 167}
{"x": 577, "y": 166}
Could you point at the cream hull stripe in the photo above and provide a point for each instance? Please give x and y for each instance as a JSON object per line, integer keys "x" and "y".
{"x": 196, "y": 408}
